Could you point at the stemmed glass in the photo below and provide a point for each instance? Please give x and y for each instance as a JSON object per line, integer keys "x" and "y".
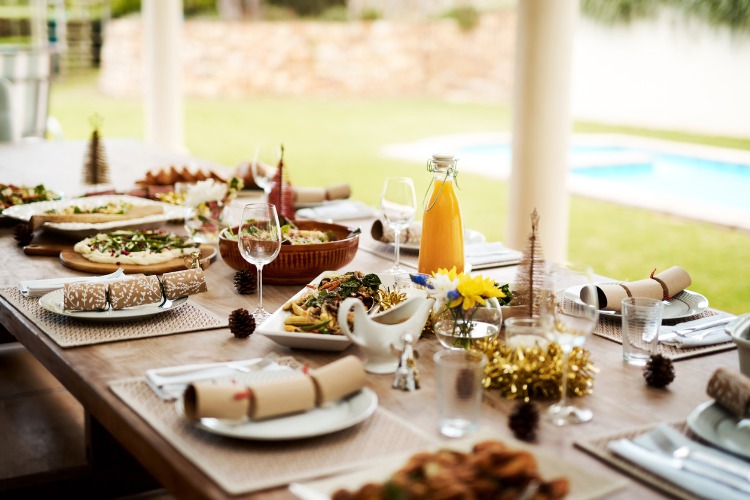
{"x": 568, "y": 320}
{"x": 263, "y": 174}
{"x": 398, "y": 203}
{"x": 259, "y": 241}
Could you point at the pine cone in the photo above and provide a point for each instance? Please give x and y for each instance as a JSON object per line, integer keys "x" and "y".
{"x": 23, "y": 234}
{"x": 524, "y": 420}
{"x": 659, "y": 371}
{"x": 241, "y": 323}
{"x": 245, "y": 282}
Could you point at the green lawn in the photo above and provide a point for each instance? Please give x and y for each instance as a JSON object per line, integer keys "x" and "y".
{"x": 328, "y": 140}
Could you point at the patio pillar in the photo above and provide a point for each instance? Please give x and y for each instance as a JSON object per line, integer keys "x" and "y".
{"x": 164, "y": 114}
{"x": 541, "y": 124}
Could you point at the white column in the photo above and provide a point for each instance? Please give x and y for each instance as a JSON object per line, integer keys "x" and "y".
{"x": 164, "y": 116}
{"x": 541, "y": 123}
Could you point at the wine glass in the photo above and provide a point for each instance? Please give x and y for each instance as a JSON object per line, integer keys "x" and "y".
{"x": 263, "y": 174}
{"x": 259, "y": 241}
{"x": 398, "y": 203}
{"x": 568, "y": 320}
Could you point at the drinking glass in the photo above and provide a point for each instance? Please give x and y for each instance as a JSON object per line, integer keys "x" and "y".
{"x": 568, "y": 320}
{"x": 263, "y": 174}
{"x": 398, "y": 203}
{"x": 259, "y": 241}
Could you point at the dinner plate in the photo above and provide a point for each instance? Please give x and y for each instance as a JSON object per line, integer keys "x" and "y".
{"x": 273, "y": 327}
{"x": 682, "y": 305}
{"x": 584, "y": 484}
{"x": 325, "y": 419}
{"x": 714, "y": 424}
{"x": 53, "y": 302}
{"x": 470, "y": 236}
{"x": 83, "y": 229}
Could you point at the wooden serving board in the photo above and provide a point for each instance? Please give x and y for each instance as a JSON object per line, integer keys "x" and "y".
{"x": 136, "y": 212}
{"x": 48, "y": 249}
{"x": 76, "y": 261}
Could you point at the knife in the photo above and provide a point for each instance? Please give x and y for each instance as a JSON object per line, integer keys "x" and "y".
{"x": 703, "y": 326}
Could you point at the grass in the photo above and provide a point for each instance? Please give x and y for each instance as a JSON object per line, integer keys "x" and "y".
{"x": 329, "y": 140}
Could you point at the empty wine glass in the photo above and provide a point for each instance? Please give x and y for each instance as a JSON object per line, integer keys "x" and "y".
{"x": 263, "y": 174}
{"x": 259, "y": 241}
{"x": 398, "y": 204}
{"x": 568, "y": 320}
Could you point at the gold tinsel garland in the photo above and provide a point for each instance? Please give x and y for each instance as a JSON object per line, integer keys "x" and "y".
{"x": 534, "y": 372}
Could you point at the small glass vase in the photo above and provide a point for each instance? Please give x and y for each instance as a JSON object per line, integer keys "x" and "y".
{"x": 204, "y": 222}
{"x": 471, "y": 329}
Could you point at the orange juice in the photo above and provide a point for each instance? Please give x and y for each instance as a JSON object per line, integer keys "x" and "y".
{"x": 442, "y": 243}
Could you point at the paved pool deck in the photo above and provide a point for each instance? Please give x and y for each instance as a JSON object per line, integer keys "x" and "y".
{"x": 684, "y": 207}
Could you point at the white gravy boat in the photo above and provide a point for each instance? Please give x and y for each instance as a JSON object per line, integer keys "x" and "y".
{"x": 376, "y": 333}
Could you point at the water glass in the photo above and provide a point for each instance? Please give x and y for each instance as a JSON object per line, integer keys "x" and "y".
{"x": 525, "y": 332}
{"x": 641, "y": 318}
{"x": 459, "y": 375}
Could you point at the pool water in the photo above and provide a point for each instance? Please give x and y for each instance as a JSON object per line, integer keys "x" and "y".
{"x": 713, "y": 182}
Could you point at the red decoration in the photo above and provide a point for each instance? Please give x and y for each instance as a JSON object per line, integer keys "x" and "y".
{"x": 281, "y": 194}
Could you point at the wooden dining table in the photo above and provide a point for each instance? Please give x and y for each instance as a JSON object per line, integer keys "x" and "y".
{"x": 620, "y": 397}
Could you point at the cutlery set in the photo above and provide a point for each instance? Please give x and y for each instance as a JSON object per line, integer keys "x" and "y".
{"x": 169, "y": 383}
{"x": 693, "y": 466}
{"x": 697, "y": 331}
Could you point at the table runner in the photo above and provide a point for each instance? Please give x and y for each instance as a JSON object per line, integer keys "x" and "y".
{"x": 70, "y": 332}
{"x": 611, "y": 329}
{"x": 598, "y": 448}
{"x": 243, "y": 466}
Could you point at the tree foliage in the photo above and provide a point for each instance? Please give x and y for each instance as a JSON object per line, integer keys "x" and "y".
{"x": 734, "y": 14}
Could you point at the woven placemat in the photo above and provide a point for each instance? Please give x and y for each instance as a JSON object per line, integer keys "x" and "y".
{"x": 598, "y": 447}
{"x": 243, "y": 466}
{"x": 611, "y": 329}
{"x": 70, "y": 332}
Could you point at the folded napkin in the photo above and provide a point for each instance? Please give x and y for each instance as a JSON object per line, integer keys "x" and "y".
{"x": 337, "y": 210}
{"x": 731, "y": 390}
{"x": 698, "y": 338}
{"x": 492, "y": 254}
{"x": 644, "y": 452}
{"x": 37, "y": 288}
{"x": 664, "y": 285}
{"x": 267, "y": 399}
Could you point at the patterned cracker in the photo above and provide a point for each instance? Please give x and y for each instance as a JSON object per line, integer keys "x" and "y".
{"x": 135, "y": 292}
{"x": 183, "y": 283}
{"x": 85, "y": 296}
{"x": 731, "y": 390}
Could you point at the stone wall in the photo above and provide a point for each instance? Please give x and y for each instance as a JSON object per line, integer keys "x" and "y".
{"x": 382, "y": 58}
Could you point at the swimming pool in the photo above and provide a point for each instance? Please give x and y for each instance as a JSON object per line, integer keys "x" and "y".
{"x": 650, "y": 172}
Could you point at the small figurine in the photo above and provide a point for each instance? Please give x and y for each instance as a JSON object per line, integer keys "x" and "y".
{"x": 406, "y": 377}
{"x": 193, "y": 260}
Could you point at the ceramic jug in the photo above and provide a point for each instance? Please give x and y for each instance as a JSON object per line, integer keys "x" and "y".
{"x": 375, "y": 334}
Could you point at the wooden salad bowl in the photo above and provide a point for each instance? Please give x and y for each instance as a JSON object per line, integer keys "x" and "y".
{"x": 298, "y": 264}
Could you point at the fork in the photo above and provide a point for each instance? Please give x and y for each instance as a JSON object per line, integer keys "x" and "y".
{"x": 683, "y": 452}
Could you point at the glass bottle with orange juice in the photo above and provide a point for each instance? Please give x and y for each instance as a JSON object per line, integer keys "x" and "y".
{"x": 442, "y": 242}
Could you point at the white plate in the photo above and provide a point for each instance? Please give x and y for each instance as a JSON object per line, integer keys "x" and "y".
{"x": 714, "y": 424}
{"x": 83, "y": 229}
{"x": 470, "y": 236}
{"x": 584, "y": 483}
{"x": 682, "y": 305}
{"x": 326, "y": 419}
{"x": 53, "y": 302}
{"x": 273, "y": 327}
